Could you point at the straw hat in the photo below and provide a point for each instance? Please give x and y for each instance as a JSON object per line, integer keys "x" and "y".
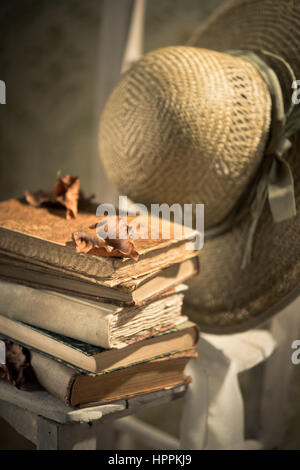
{"x": 213, "y": 122}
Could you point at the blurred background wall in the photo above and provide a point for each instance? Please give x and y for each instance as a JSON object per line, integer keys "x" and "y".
{"x": 49, "y": 52}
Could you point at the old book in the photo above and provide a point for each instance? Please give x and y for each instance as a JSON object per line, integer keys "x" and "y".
{"x": 45, "y": 236}
{"x": 137, "y": 291}
{"x": 94, "y": 359}
{"x": 99, "y": 324}
{"x": 75, "y": 388}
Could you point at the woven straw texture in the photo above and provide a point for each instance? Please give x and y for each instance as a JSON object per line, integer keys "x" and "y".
{"x": 166, "y": 118}
{"x": 189, "y": 125}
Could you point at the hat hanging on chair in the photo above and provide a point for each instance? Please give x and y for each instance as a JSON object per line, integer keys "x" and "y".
{"x": 214, "y": 122}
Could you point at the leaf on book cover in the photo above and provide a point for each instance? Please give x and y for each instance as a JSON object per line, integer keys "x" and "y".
{"x": 86, "y": 240}
{"x": 66, "y": 193}
{"x": 112, "y": 234}
{"x": 17, "y": 369}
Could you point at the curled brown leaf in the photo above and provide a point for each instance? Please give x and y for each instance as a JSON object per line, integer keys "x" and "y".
{"x": 85, "y": 241}
{"x": 114, "y": 240}
{"x": 66, "y": 193}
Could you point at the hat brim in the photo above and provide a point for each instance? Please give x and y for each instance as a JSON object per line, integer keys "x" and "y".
{"x": 225, "y": 298}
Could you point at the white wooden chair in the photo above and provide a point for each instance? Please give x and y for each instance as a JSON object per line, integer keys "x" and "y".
{"x": 51, "y": 425}
{"x": 213, "y": 415}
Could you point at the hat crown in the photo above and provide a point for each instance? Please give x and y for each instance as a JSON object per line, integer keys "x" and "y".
{"x": 186, "y": 125}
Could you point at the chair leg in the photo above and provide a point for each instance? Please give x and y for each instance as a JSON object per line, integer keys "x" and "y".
{"x": 213, "y": 414}
{"x": 74, "y": 436}
{"x": 271, "y": 381}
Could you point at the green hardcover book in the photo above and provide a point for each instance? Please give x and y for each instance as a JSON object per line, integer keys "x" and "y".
{"x": 96, "y": 360}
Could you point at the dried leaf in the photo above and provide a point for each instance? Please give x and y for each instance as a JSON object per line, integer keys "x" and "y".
{"x": 17, "y": 369}
{"x": 66, "y": 193}
{"x": 116, "y": 241}
{"x": 86, "y": 241}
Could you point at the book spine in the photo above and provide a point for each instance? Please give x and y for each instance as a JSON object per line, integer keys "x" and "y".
{"x": 54, "y": 254}
{"x": 53, "y": 376}
{"x": 56, "y": 313}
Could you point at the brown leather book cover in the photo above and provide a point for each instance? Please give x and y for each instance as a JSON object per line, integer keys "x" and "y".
{"x": 43, "y": 235}
{"x": 76, "y": 389}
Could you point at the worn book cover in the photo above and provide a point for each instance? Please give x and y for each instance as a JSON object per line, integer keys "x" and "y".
{"x": 137, "y": 291}
{"x": 93, "y": 359}
{"x": 44, "y": 236}
{"x": 74, "y": 388}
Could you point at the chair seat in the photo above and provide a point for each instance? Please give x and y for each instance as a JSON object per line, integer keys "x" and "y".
{"x": 247, "y": 349}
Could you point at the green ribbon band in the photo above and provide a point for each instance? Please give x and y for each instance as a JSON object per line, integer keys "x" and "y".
{"x": 274, "y": 181}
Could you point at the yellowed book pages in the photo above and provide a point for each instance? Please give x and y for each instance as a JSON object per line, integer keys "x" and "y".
{"x": 96, "y": 323}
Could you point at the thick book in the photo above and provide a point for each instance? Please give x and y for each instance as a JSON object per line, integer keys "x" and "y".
{"x": 137, "y": 291}
{"x": 40, "y": 235}
{"x": 74, "y": 388}
{"x": 94, "y": 359}
{"x": 96, "y": 323}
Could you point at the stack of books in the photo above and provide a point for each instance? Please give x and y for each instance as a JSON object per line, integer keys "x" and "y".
{"x": 99, "y": 328}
